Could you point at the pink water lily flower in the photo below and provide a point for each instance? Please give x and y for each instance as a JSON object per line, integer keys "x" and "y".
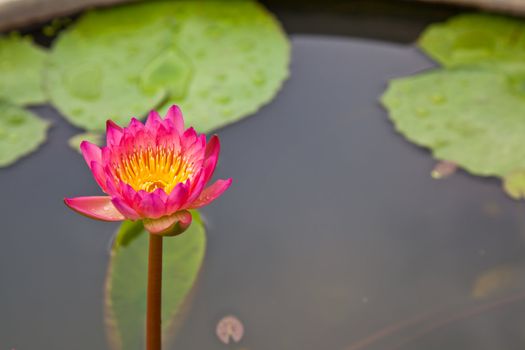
{"x": 153, "y": 172}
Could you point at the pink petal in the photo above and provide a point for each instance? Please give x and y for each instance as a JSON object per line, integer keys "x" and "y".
{"x": 197, "y": 185}
{"x": 177, "y": 198}
{"x": 91, "y": 153}
{"x": 196, "y": 150}
{"x": 113, "y": 133}
{"x": 211, "y": 193}
{"x": 100, "y": 175}
{"x": 111, "y": 187}
{"x": 109, "y": 155}
{"x": 150, "y": 205}
{"x": 211, "y": 156}
{"x": 99, "y": 208}
{"x": 174, "y": 116}
{"x": 169, "y": 225}
{"x": 154, "y": 120}
{"x": 125, "y": 209}
{"x": 128, "y": 193}
{"x": 188, "y": 138}
{"x": 168, "y": 139}
{"x": 134, "y": 127}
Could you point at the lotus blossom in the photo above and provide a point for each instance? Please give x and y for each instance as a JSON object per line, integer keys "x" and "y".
{"x": 153, "y": 172}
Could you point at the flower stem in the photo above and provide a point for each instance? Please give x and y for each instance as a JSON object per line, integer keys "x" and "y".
{"x": 153, "y": 317}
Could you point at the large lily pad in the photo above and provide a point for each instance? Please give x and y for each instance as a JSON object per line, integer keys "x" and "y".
{"x": 476, "y": 39}
{"x": 94, "y": 68}
{"x": 239, "y": 56}
{"x": 21, "y": 132}
{"x": 474, "y": 118}
{"x": 219, "y": 60}
{"x": 21, "y": 64}
{"x": 127, "y": 281}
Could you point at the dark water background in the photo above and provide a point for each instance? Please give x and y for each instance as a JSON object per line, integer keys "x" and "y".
{"x": 332, "y": 233}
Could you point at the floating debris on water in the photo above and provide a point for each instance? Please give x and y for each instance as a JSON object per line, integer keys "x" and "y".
{"x": 443, "y": 169}
{"x": 229, "y": 327}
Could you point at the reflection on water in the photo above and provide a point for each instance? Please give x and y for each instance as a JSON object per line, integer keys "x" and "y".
{"x": 333, "y": 236}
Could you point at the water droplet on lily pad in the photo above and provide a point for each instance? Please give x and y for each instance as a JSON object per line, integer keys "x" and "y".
{"x": 438, "y": 99}
{"x": 16, "y": 119}
{"x": 421, "y": 112}
{"x": 246, "y": 45}
{"x": 226, "y": 112}
{"x": 259, "y": 78}
{"x": 214, "y": 31}
{"x": 223, "y": 100}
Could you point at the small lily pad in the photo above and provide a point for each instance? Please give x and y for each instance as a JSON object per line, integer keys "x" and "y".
{"x": 514, "y": 184}
{"x": 476, "y": 39}
{"x": 474, "y": 118}
{"x": 219, "y": 60}
{"x": 21, "y": 65}
{"x": 96, "y": 138}
{"x": 21, "y": 133}
{"x": 127, "y": 281}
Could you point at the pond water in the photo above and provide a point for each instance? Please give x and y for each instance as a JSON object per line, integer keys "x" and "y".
{"x": 333, "y": 235}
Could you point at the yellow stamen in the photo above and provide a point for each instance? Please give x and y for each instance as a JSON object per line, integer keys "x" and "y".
{"x": 152, "y": 168}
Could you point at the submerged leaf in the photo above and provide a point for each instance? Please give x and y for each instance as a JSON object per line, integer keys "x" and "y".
{"x": 476, "y": 39}
{"x": 494, "y": 281}
{"x": 21, "y": 132}
{"x": 127, "y": 281}
{"x": 474, "y": 118}
{"x": 21, "y": 65}
{"x": 219, "y": 60}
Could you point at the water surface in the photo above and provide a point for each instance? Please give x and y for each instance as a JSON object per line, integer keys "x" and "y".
{"x": 333, "y": 235}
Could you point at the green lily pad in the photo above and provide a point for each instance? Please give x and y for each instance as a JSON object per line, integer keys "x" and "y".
{"x": 96, "y": 138}
{"x": 475, "y": 118}
{"x": 239, "y": 55}
{"x": 126, "y": 284}
{"x": 219, "y": 60}
{"x": 476, "y": 39}
{"x": 514, "y": 184}
{"x": 21, "y": 133}
{"x": 95, "y": 67}
{"x": 21, "y": 65}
